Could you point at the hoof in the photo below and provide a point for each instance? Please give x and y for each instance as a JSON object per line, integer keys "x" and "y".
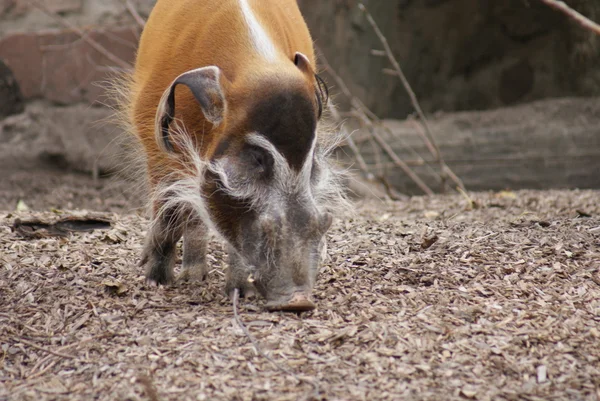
{"x": 158, "y": 277}
{"x": 191, "y": 276}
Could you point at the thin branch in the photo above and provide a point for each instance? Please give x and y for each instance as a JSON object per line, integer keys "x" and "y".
{"x": 48, "y": 351}
{"x": 356, "y": 102}
{"x": 398, "y": 161}
{"x": 367, "y": 116}
{"x": 455, "y": 178}
{"x": 413, "y": 98}
{"x": 134, "y": 13}
{"x": 574, "y": 15}
{"x": 350, "y": 141}
{"x": 400, "y": 73}
{"x": 41, "y": 372}
{"x": 97, "y": 46}
{"x": 377, "y": 157}
{"x": 258, "y": 349}
{"x": 419, "y": 129}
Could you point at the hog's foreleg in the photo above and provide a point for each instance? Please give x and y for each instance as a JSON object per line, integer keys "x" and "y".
{"x": 195, "y": 239}
{"x": 238, "y": 276}
{"x": 159, "y": 250}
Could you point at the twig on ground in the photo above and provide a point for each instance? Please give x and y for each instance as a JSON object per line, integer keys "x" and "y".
{"x": 42, "y": 372}
{"x": 97, "y": 46}
{"x": 32, "y": 373}
{"x": 471, "y": 204}
{"x": 574, "y": 15}
{"x": 258, "y": 349}
{"x": 48, "y": 351}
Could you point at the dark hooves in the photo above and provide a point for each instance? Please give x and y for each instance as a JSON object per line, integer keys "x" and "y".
{"x": 159, "y": 277}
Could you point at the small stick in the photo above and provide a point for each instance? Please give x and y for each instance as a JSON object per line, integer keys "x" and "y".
{"x": 379, "y": 168}
{"x": 413, "y": 98}
{"x": 361, "y": 161}
{"x": 41, "y": 372}
{"x": 398, "y": 161}
{"x": 369, "y": 117}
{"x": 472, "y": 203}
{"x": 454, "y": 178}
{"x": 574, "y": 15}
{"x": 38, "y": 365}
{"x": 419, "y": 129}
{"x": 136, "y": 16}
{"x": 400, "y": 73}
{"x": 258, "y": 349}
{"x": 380, "y": 124}
{"x": 33, "y": 345}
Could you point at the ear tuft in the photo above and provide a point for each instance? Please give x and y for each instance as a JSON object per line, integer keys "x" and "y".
{"x": 321, "y": 93}
{"x": 303, "y": 64}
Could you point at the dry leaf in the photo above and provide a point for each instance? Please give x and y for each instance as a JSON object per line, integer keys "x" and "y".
{"x": 114, "y": 287}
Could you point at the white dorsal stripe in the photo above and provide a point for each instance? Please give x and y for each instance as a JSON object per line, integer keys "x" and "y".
{"x": 259, "y": 37}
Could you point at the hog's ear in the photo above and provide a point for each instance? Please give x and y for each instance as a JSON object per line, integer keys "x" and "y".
{"x": 303, "y": 64}
{"x": 321, "y": 90}
{"x": 205, "y": 85}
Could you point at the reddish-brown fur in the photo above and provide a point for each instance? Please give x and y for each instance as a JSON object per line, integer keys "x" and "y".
{"x": 225, "y": 102}
{"x": 183, "y": 35}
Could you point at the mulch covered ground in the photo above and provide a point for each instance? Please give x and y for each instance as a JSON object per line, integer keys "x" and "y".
{"x": 428, "y": 299}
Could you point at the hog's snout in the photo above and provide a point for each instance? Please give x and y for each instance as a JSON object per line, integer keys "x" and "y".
{"x": 299, "y": 301}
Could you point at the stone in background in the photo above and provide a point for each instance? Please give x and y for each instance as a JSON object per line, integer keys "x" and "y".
{"x": 53, "y": 83}
{"x": 11, "y": 99}
{"x": 458, "y": 54}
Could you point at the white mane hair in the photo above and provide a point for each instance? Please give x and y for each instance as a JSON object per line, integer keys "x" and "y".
{"x": 182, "y": 191}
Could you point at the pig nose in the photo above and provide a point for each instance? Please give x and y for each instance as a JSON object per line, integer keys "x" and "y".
{"x": 299, "y": 301}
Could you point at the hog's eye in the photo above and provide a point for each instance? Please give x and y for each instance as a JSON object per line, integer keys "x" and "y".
{"x": 259, "y": 161}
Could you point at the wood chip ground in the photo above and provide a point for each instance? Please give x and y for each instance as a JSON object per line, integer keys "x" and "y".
{"x": 423, "y": 299}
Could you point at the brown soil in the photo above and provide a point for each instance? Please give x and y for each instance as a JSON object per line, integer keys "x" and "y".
{"x": 421, "y": 299}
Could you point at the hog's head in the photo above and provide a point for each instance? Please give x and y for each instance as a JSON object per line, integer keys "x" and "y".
{"x": 267, "y": 186}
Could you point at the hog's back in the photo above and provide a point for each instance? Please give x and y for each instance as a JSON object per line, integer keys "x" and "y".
{"x": 182, "y": 35}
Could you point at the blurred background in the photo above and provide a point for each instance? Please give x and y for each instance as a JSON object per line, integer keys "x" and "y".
{"x": 508, "y": 92}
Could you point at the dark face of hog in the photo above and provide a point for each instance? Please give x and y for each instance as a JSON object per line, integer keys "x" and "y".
{"x": 264, "y": 199}
{"x": 288, "y": 247}
{"x": 277, "y": 247}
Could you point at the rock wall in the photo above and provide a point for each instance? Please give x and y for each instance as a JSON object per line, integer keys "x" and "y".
{"x": 457, "y": 54}
{"x": 57, "y": 79}
{"x": 551, "y": 143}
